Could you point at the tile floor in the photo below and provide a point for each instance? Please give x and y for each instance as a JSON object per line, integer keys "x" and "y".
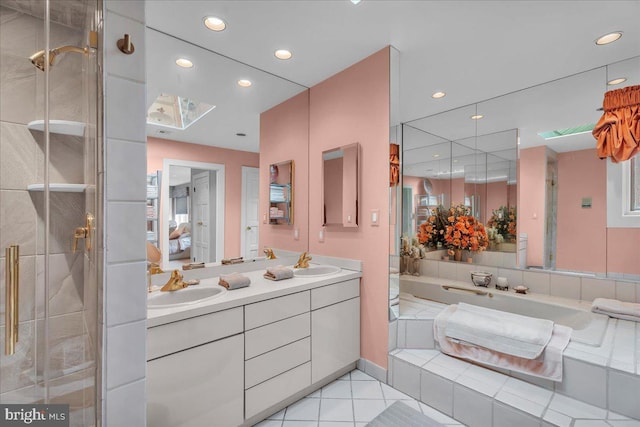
{"x": 350, "y": 401}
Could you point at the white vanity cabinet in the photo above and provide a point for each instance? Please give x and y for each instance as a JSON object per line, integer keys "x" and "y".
{"x": 335, "y": 328}
{"x": 195, "y": 371}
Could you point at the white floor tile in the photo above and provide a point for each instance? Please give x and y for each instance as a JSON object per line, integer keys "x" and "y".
{"x": 336, "y": 410}
{"x": 392, "y": 393}
{"x": 436, "y": 415}
{"x": 269, "y": 423}
{"x": 413, "y": 404}
{"x": 277, "y": 416}
{"x": 337, "y": 390}
{"x": 317, "y": 394}
{"x": 335, "y": 424}
{"x": 590, "y": 423}
{"x": 624, "y": 423}
{"x": 300, "y": 424}
{"x": 345, "y": 377}
{"x": 366, "y": 390}
{"x": 357, "y": 375}
{"x": 576, "y": 409}
{"x": 366, "y": 410}
{"x": 303, "y": 410}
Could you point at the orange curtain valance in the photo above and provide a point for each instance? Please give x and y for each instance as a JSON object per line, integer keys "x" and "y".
{"x": 618, "y": 130}
{"x": 394, "y": 165}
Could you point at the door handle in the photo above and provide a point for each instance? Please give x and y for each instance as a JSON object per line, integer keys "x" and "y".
{"x": 248, "y": 228}
{"x": 199, "y": 222}
{"x": 83, "y": 233}
{"x": 12, "y": 280}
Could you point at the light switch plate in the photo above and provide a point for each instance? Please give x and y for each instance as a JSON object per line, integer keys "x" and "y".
{"x": 375, "y": 217}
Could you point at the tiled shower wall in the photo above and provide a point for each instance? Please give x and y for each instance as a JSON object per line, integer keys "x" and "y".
{"x": 22, "y": 213}
{"x": 124, "y": 176}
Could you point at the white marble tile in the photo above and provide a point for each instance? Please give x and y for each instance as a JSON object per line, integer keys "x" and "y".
{"x": 554, "y": 418}
{"x": 277, "y": 416}
{"x": 126, "y": 240}
{"x": 125, "y": 297}
{"x": 337, "y": 390}
{"x": 269, "y": 423}
{"x": 436, "y": 415}
{"x": 505, "y": 416}
{"x": 366, "y": 410}
{"x": 413, "y": 404}
{"x": 125, "y": 118}
{"x": 626, "y": 291}
{"x": 127, "y": 66}
{"x": 406, "y": 378}
{"x": 18, "y": 154}
{"x": 429, "y": 267}
{"x": 597, "y": 288}
{"x": 18, "y": 83}
{"x": 591, "y": 423}
{"x": 436, "y": 392}
{"x": 419, "y": 334}
{"x": 536, "y": 282}
{"x": 357, "y": 375}
{"x": 472, "y": 408}
{"x": 132, "y": 9}
{"x": 447, "y": 270}
{"x": 303, "y": 410}
{"x": 391, "y": 393}
{"x": 482, "y": 380}
{"x": 336, "y": 410}
{"x": 300, "y": 423}
{"x": 335, "y": 424}
{"x": 366, "y": 390}
{"x": 624, "y": 423}
{"x": 29, "y": 270}
{"x": 528, "y": 391}
{"x": 128, "y": 183}
{"x": 565, "y": 286}
{"x": 621, "y": 398}
{"x": 125, "y": 357}
{"x": 19, "y": 219}
{"x": 575, "y": 409}
{"x": 520, "y": 402}
{"x": 393, "y": 335}
{"x": 126, "y": 405}
{"x": 463, "y": 271}
{"x": 583, "y": 381}
{"x": 402, "y": 333}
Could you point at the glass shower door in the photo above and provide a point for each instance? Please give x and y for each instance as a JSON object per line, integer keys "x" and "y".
{"x": 48, "y": 140}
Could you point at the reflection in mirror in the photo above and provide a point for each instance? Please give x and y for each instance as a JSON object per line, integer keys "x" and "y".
{"x": 281, "y": 192}
{"x": 340, "y": 186}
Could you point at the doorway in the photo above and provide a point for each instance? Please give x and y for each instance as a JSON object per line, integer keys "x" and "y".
{"x": 249, "y": 224}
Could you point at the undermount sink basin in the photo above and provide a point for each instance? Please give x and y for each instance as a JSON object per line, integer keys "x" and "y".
{"x": 191, "y": 295}
{"x": 315, "y": 271}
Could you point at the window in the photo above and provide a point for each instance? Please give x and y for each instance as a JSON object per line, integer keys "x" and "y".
{"x": 634, "y": 204}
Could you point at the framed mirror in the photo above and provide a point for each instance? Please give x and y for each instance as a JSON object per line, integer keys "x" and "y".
{"x": 340, "y": 183}
{"x": 281, "y": 193}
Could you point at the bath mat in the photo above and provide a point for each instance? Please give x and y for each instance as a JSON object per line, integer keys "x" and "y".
{"x": 401, "y": 415}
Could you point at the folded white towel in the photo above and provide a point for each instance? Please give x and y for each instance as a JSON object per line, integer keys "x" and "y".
{"x": 507, "y": 333}
{"x": 618, "y": 309}
{"x": 234, "y": 281}
{"x": 278, "y": 273}
{"x": 548, "y": 365}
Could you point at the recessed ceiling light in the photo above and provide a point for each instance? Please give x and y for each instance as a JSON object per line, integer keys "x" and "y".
{"x": 617, "y": 81}
{"x": 455, "y": 161}
{"x": 477, "y": 117}
{"x": 355, "y": 1}
{"x": 214, "y": 23}
{"x": 439, "y": 95}
{"x": 244, "y": 83}
{"x": 283, "y": 54}
{"x": 608, "y": 38}
{"x": 435, "y": 156}
{"x": 184, "y": 63}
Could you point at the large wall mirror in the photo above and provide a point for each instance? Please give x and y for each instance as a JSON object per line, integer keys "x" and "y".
{"x": 203, "y": 142}
{"x": 526, "y": 162}
{"x": 340, "y": 185}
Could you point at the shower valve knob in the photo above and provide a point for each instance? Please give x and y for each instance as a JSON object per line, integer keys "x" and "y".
{"x": 125, "y": 45}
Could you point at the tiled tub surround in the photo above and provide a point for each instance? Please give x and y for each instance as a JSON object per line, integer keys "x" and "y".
{"x": 263, "y": 347}
{"x": 594, "y": 379}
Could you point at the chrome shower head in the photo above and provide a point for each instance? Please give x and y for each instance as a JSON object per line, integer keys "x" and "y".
{"x": 38, "y": 58}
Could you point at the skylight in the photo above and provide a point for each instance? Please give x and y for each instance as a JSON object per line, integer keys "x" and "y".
{"x": 567, "y": 132}
{"x": 176, "y": 112}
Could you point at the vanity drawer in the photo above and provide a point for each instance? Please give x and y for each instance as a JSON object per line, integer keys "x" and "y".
{"x": 275, "y": 362}
{"x": 269, "y": 337}
{"x": 176, "y": 336}
{"x": 275, "y": 390}
{"x": 327, "y": 295}
{"x": 264, "y": 312}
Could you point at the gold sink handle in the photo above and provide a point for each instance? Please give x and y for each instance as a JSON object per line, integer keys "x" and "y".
{"x": 83, "y": 233}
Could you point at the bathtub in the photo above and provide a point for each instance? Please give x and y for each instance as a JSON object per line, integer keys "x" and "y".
{"x": 588, "y": 328}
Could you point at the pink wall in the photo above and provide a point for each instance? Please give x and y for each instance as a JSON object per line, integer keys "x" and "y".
{"x": 353, "y": 106}
{"x": 457, "y": 191}
{"x": 284, "y": 135}
{"x": 233, "y": 160}
{"x": 531, "y": 194}
{"x": 496, "y": 196}
{"x": 581, "y": 174}
{"x": 622, "y": 250}
{"x": 512, "y": 192}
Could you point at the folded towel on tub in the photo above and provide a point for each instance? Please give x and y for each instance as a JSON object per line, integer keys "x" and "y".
{"x": 548, "y": 365}
{"x": 234, "y": 281}
{"x": 278, "y": 273}
{"x": 618, "y": 309}
{"x": 507, "y": 333}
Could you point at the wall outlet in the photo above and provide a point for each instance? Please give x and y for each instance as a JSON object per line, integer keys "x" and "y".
{"x": 264, "y": 218}
{"x": 296, "y": 234}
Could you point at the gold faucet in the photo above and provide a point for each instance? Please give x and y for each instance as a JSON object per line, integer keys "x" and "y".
{"x": 269, "y": 253}
{"x": 303, "y": 261}
{"x": 175, "y": 282}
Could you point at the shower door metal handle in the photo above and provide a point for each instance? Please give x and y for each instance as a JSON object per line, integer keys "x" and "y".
{"x": 83, "y": 233}
{"x": 12, "y": 280}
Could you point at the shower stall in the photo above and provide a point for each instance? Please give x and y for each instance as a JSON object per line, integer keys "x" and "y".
{"x": 50, "y": 209}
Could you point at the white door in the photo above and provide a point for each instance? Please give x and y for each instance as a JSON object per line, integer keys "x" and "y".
{"x": 200, "y": 231}
{"x": 250, "y": 214}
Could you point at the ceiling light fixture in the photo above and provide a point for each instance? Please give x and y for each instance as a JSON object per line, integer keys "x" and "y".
{"x": 608, "y": 38}
{"x": 244, "y": 83}
{"x": 617, "y": 81}
{"x": 435, "y": 156}
{"x": 477, "y": 117}
{"x": 283, "y": 54}
{"x": 184, "y": 63}
{"x": 439, "y": 95}
{"x": 355, "y": 1}
{"x": 214, "y": 23}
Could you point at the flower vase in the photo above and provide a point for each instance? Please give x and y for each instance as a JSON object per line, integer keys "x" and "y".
{"x": 457, "y": 255}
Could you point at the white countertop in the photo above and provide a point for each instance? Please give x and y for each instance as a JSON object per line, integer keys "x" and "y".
{"x": 259, "y": 290}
